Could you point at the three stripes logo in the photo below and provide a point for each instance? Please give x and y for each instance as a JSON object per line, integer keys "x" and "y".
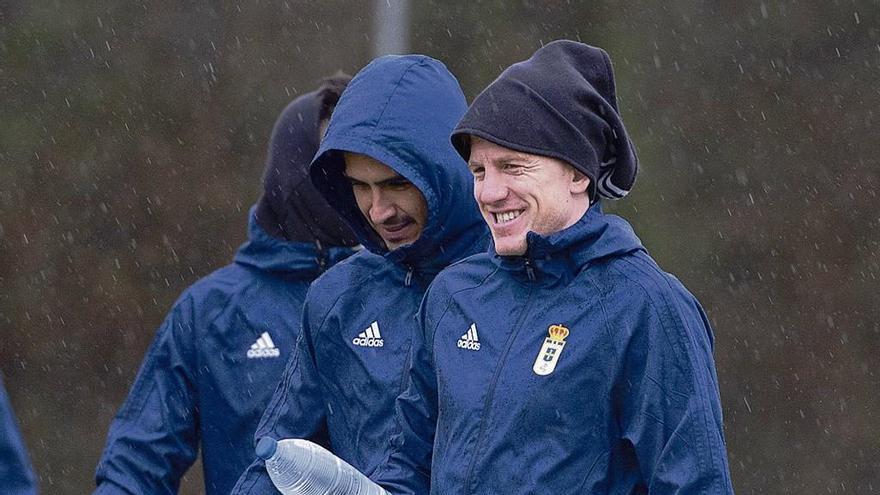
{"x": 470, "y": 340}
{"x": 369, "y": 337}
{"x": 263, "y": 348}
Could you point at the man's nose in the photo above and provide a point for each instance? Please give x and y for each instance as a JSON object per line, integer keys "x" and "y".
{"x": 492, "y": 188}
{"x": 381, "y": 208}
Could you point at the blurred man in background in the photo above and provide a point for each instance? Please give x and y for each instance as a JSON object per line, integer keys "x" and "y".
{"x": 564, "y": 360}
{"x": 388, "y": 168}
{"x": 216, "y": 359}
{"x": 16, "y": 475}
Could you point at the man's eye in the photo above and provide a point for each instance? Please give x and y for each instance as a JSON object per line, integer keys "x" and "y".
{"x": 402, "y": 184}
{"x": 477, "y": 172}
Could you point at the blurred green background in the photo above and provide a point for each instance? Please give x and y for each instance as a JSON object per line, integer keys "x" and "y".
{"x": 132, "y": 140}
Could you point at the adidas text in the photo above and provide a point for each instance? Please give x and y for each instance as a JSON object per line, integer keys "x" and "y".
{"x": 368, "y": 342}
{"x": 263, "y": 353}
{"x": 470, "y": 345}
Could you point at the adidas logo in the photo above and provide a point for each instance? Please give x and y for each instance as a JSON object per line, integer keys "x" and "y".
{"x": 369, "y": 337}
{"x": 470, "y": 340}
{"x": 263, "y": 348}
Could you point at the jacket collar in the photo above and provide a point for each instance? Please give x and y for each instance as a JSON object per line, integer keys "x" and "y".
{"x": 596, "y": 236}
{"x": 290, "y": 259}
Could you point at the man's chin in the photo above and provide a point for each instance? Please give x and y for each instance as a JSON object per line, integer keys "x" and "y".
{"x": 510, "y": 247}
{"x": 393, "y": 244}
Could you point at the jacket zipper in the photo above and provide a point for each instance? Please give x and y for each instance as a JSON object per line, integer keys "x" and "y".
{"x": 530, "y": 271}
{"x": 491, "y": 393}
{"x": 407, "y": 281}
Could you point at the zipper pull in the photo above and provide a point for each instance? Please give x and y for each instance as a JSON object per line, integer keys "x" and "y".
{"x": 530, "y": 271}
{"x": 409, "y": 273}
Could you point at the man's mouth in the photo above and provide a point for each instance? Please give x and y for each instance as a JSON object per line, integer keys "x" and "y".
{"x": 506, "y": 216}
{"x": 398, "y": 232}
{"x": 397, "y": 227}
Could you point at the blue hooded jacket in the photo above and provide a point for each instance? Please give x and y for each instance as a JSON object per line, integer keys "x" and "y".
{"x": 16, "y": 476}
{"x": 216, "y": 359}
{"x": 359, "y": 317}
{"x": 580, "y": 367}
{"x": 211, "y": 370}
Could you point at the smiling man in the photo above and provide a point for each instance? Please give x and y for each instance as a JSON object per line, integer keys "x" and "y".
{"x": 594, "y": 369}
{"x": 520, "y": 193}
{"x": 386, "y": 165}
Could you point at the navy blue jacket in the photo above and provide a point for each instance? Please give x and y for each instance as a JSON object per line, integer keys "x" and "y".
{"x": 359, "y": 317}
{"x": 211, "y": 370}
{"x": 580, "y": 367}
{"x": 16, "y": 476}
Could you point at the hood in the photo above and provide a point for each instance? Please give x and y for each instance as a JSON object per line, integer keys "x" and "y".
{"x": 596, "y": 236}
{"x": 290, "y": 208}
{"x": 400, "y": 111}
{"x": 300, "y": 260}
{"x": 561, "y": 103}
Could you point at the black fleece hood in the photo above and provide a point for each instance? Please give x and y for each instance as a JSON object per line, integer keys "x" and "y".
{"x": 291, "y": 209}
{"x": 561, "y": 103}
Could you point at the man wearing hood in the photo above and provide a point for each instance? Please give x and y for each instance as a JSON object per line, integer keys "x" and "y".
{"x": 388, "y": 168}
{"x": 215, "y": 361}
{"x": 564, "y": 360}
{"x": 16, "y": 475}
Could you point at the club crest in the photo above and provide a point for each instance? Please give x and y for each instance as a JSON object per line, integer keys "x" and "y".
{"x": 547, "y": 358}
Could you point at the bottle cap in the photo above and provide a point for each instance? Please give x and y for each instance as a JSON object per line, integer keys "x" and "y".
{"x": 266, "y": 447}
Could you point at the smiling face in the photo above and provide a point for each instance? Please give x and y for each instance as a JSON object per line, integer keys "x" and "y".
{"x": 520, "y": 192}
{"x": 392, "y": 205}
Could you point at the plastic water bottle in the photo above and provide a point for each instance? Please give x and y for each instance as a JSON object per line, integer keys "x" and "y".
{"x": 300, "y": 467}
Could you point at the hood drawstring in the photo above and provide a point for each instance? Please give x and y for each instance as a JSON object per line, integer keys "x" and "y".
{"x": 322, "y": 256}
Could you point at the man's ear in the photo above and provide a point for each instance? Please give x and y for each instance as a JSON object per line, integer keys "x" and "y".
{"x": 579, "y": 183}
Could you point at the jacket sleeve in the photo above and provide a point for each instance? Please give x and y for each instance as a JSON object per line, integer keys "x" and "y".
{"x": 668, "y": 399}
{"x": 296, "y": 410}
{"x": 154, "y": 437}
{"x": 407, "y": 470}
{"x": 16, "y": 476}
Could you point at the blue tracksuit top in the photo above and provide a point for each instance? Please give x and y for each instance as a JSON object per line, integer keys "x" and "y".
{"x": 16, "y": 475}
{"x": 580, "y": 367}
{"x": 211, "y": 370}
{"x": 359, "y": 317}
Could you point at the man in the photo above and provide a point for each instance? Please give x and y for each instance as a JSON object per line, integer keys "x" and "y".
{"x": 564, "y": 360}
{"x": 16, "y": 475}
{"x": 216, "y": 359}
{"x": 388, "y": 168}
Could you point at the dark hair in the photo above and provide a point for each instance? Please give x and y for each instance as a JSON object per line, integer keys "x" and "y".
{"x": 329, "y": 91}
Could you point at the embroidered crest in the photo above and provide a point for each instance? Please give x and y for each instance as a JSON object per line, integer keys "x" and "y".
{"x": 546, "y": 361}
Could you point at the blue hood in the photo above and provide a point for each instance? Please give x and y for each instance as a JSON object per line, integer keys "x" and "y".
{"x": 400, "y": 111}
{"x": 299, "y": 260}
